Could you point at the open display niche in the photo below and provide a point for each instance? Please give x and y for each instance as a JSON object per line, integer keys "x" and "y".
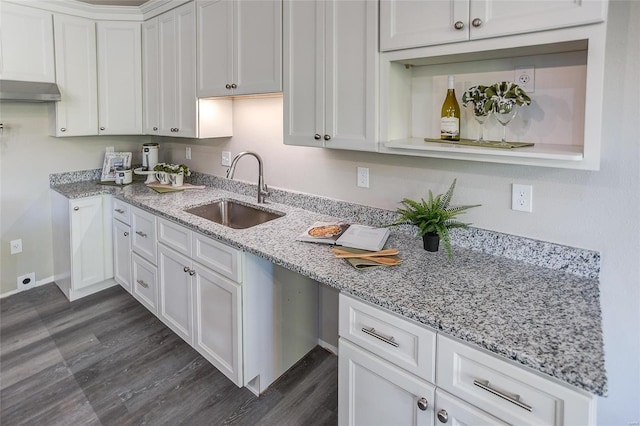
{"x": 564, "y": 119}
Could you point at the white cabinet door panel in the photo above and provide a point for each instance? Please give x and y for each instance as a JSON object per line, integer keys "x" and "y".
{"x": 151, "y": 76}
{"x": 218, "y": 322}
{"x": 215, "y": 47}
{"x": 76, "y": 75}
{"x": 175, "y": 308}
{"x": 26, "y": 44}
{"x": 87, "y": 242}
{"x": 119, "y": 78}
{"x": 122, "y": 254}
{"x": 458, "y": 412}
{"x": 144, "y": 284}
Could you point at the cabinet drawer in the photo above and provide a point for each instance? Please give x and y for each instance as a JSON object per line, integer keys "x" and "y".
{"x": 507, "y": 391}
{"x": 143, "y": 228}
{"x": 121, "y": 211}
{"x": 175, "y": 236}
{"x": 145, "y": 282}
{"x": 395, "y": 339}
{"x": 220, "y": 257}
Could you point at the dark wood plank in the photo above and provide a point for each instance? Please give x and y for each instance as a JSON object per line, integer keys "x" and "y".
{"x": 105, "y": 359}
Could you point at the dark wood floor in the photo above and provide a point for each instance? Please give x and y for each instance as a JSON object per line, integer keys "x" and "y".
{"x": 106, "y": 360}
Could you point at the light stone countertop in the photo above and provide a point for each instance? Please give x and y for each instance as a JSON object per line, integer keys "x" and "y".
{"x": 546, "y": 319}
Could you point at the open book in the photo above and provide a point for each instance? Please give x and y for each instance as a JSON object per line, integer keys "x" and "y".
{"x": 342, "y": 234}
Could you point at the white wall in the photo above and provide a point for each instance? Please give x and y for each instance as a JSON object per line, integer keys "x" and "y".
{"x": 593, "y": 210}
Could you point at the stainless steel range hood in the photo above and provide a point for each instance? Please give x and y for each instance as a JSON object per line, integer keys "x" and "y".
{"x": 28, "y": 91}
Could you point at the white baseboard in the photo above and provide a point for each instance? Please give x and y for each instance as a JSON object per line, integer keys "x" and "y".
{"x": 37, "y": 284}
{"x": 330, "y": 348}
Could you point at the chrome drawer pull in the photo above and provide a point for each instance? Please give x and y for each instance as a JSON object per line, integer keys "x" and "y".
{"x": 142, "y": 234}
{"x": 142, "y": 283}
{"x": 120, "y": 211}
{"x": 372, "y": 332}
{"x": 512, "y": 398}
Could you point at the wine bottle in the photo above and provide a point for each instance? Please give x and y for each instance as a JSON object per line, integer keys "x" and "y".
{"x": 450, "y": 117}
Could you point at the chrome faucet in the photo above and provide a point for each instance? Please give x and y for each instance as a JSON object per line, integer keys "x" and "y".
{"x": 262, "y": 188}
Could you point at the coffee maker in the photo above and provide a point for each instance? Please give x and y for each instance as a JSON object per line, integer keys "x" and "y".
{"x": 149, "y": 156}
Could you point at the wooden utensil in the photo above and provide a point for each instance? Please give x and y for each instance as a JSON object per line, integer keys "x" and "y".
{"x": 345, "y": 254}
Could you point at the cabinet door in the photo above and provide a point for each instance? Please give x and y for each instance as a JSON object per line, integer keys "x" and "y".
{"x": 75, "y": 45}
{"x": 506, "y": 17}
{"x": 177, "y": 65}
{"x": 218, "y": 322}
{"x": 174, "y": 282}
{"x": 372, "y": 391}
{"x": 150, "y": 80}
{"x": 454, "y": 411}
{"x": 351, "y": 52}
{"x": 26, "y": 44}
{"x": 257, "y": 47}
{"x": 119, "y": 78}
{"x": 144, "y": 284}
{"x": 122, "y": 254}
{"x": 87, "y": 242}
{"x": 215, "y": 47}
{"x": 304, "y": 73}
{"x": 409, "y": 23}
{"x": 143, "y": 231}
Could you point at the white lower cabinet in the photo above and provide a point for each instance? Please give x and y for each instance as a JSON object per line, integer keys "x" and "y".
{"x": 217, "y": 331}
{"x": 122, "y": 254}
{"x": 174, "y": 283}
{"x": 144, "y": 283}
{"x": 83, "y": 262}
{"x": 375, "y": 392}
{"x": 385, "y": 377}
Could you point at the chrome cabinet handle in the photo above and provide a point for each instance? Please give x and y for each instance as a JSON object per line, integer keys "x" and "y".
{"x": 234, "y": 86}
{"x": 476, "y": 22}
{"x": 142, "y": 234}
{"x": 142, "y": 283}
{"x": 458, "y": 25}
{"x": 62, "y": 129}
{"x": 387, "y": 339}
{"x": 119, "y": 211}
{"x": 76, "y": 208}
{"x": 227, "y": 86}
{"x": 126, "y": 234}
{"x": 423, "y": 404}
{"x": 155, "y": 128}
{"x": 186, "y": 269}
{"x": 317, "y": 137}
{"x": 443, "y": 416}
{"x": 101, "y": 128}
{"x": 192, "y": 272}
{"x": 511, "y": 397}
{"x": 327, "y": 137}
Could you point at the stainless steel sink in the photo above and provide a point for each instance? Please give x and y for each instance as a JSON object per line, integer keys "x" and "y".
{"x": 234, "y": 214}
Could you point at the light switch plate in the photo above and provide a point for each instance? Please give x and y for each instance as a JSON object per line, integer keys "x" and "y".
{"x": 363, "y": 177}
{"x": 226, "y": 158}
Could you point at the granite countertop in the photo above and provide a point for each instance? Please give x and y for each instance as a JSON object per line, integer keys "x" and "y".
{"x": 542, "y": 318}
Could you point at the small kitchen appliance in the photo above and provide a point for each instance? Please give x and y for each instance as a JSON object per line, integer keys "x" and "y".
{"x": 149, "y": 156}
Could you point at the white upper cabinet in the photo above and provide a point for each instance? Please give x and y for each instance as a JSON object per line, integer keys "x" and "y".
{"x": 239, "y": 47}
{"x": 151, "y": 76}
{"x": 407, "y": 23}
{"x": 26, "y": 44}
{"x": 119, "y": 78}
{"x": 330, "y": 74}
{"x": 76, "y": 75}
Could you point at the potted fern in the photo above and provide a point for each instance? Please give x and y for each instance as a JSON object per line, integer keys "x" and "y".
{"x": 433, "y": 218}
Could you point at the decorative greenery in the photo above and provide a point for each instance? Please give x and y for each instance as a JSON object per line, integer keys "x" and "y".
{"x": 173, "y": 168}
{"x": 503, "y": 96}
{"x": 478, "y": 97}
{"x": 434, "y": 216}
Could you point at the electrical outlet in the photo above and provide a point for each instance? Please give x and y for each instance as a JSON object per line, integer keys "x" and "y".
{"x": 525, "y": 77}
{"x": 363, "y": 177}
{"x": 187, "y": 153}
{"x": 16, "y": 246}
{"x": 226, "y": 158}
{"x": 26, "y": 281}
{"x": 522, "y": 197}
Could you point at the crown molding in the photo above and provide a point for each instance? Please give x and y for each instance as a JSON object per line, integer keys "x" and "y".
{"x": 102, "y": 13}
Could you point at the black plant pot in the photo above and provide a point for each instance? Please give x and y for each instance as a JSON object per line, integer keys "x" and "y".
{"x": 431, "y": 241}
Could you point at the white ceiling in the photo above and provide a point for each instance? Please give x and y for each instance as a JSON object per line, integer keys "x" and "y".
{"x": 115, "y": 2}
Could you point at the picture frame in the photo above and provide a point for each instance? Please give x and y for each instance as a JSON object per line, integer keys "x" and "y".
{"x": 113, "y": 161}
